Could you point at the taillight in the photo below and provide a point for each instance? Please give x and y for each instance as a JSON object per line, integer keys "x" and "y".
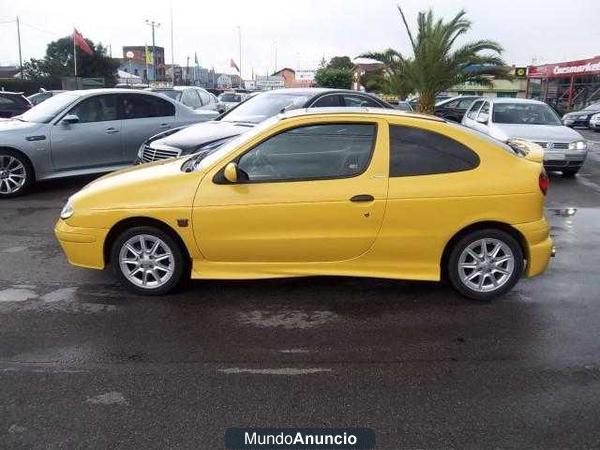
{"x": 544, "y": 182}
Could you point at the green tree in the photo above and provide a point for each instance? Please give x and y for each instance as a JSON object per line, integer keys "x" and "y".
{"x": 389, "y": 79}
{"x": 59, "y": 61}
{"x": 338, "y": 73}
{"x": 439, "y": 62}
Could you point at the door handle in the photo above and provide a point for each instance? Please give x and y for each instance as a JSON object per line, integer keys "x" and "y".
{"x": 111, "y": 130}
{"x": 164, "y": 125}
{"x": 362, "y": 198}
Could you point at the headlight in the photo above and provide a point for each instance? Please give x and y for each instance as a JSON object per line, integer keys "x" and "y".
{"x": 67, "y": 211}
{"x": 578, "y": 145}
{"x": 595, "y": 117}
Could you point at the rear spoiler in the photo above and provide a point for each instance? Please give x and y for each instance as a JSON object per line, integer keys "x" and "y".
{"x": 527, "y": 149}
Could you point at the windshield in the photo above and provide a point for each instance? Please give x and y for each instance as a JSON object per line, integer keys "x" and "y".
{"x": 593, "y": 107}
{"x": 232, "y": 98}
{"x": 204, "y": 160}
{"x": 46, "y": 111}
{"x": 266, "y": 105}
{"x": 171, "y": 93}
{"x": 524, "y": 114}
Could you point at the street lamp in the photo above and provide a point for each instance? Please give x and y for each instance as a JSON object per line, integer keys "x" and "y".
{"x": 153, "y": 25}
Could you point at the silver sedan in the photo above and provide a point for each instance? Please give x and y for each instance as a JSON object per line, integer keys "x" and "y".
{"x": 84, "y": 132}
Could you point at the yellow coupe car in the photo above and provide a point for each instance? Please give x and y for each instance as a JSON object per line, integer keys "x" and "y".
{"x": 357, "y": 192}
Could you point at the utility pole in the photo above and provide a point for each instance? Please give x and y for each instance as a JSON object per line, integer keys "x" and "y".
{"x": 153, "y": 25}
{"x": 274, "y": 71}
{"x": 172, "y": 49}
{"x": 240, "y": 43}
{"x": 19, "y": 39}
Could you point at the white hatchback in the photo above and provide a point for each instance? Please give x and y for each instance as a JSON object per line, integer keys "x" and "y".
{"x": 565, "y": 149}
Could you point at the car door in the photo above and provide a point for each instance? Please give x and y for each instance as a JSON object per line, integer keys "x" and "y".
{"x": 481, "y": 122}
{"x": 471, "y": 114}
{"x": 315, "y": 192}
{"x": 94, "y": 140}
{"x": 143, "y": 116}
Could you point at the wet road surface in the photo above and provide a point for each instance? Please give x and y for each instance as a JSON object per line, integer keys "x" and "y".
{"x": 82, "y": 362}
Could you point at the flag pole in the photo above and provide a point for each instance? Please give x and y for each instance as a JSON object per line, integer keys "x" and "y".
{"x": 74, "y": 56}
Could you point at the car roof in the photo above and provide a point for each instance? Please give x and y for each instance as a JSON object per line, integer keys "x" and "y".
{"x": 358, "y": 111}
{"x": 10, "y": 93}
{"x": 314, "y": 91}
{"x": 172, "y": 88}
{"x": 513, "y": 100}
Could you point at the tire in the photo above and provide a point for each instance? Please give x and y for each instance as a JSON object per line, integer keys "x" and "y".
{"x": 460, "y": 258}
{"x": 570, "y": 173}
{"x": 16, "y": 174}
{"x": 155, "y": 274}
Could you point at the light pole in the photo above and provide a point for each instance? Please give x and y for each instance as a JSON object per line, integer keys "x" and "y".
{"x": 19, "y": 40}
{"x": 153, "y": 25}
{"x": 240, "y": 43}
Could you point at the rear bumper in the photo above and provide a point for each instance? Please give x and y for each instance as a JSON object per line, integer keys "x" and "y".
{"x": 539, "y": 246}
{"x": 83, "y": 247}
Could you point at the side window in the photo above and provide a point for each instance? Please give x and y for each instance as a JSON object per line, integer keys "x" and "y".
{"x": 138, "y": 106}
{"x": 485, "y": 109}
{"x": 7, "y": 102}
{"x": 204, "y": 98}
{"x": 327, "y": 101}
{"x": 415, "y": 151}
{"x": 452, "y": 104}
{"x": 190, "y": 98}
{"x": 464, "y": 103}
{"x": 311, "y": 152}
{"x": 96, "y": 109}
{"x": 474, "y": 109}
{"x": 360, "y": 101}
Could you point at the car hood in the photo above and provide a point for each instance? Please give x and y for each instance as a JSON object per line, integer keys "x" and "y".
{"x": 192, "y": 137}
{"x": 18, "y": 126}
{"x": 142, "y": 186}
{"x": 581, "y": 113}
{"x": 538, "y": 133}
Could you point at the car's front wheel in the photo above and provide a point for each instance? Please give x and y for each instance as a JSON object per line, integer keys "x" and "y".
{"x": 485, "y": 264}
{"x": 148, "y": 261}
{"x": 16, "y": 174}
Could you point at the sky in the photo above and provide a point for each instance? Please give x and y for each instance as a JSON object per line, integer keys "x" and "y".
{"x": 298, "y": 34}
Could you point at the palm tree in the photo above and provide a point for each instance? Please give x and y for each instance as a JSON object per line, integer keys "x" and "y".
{"x": 389, "y": 79}
{"x": 439, "y": 63}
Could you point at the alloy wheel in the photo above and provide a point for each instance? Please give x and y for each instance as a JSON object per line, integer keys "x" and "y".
{"x": 146, "y": 261}
{"x": 12, "y": 174}
{"x": 486, "y": 265}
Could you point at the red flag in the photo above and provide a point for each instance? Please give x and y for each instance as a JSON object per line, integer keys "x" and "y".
{"x": 233, "y": 64}
{"x": 81, "y": 42}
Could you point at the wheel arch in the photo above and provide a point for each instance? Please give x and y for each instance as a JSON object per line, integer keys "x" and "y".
{"x": 480, "y": 226}
{"x": 23, "y": 155}
{"x": 140, "y": 221}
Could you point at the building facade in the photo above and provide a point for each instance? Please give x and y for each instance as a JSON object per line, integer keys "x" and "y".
{"x": 566, "y": 85}
{"x": 134, "y": 62}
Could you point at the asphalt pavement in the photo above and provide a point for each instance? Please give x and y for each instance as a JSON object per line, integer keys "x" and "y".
{"x": 85, "y": 364}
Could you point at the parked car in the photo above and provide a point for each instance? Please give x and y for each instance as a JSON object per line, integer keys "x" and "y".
{"x": 193, "y": 97}
{"x": 375, "y": 193}
{"x": 595, "y": 122}
{"x": 231, "y": 99}
{"x": 13, "y": 104}
{"x": 83, "y": 132}
{"x": 454, "y": 108}
{"x": 565, "y": 149}
{"x": 208, "y": 136}
{"x": 581, "y": 118}
{"x": 44, "y": 94}
{"x": 402, "y": 106}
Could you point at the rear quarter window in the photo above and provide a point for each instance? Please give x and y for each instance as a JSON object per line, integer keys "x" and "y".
{"x": 415, "y": 151}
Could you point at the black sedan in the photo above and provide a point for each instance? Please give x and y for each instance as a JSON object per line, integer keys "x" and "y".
{"x": 13, "y": 104}
{"x": 454, "y": 108}
{"x": 209, "y": 135}
{"x": 581, "y": 118}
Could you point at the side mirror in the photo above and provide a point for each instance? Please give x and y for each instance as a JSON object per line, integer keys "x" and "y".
{"x": 231, "y": 172}
{"x": 70, "y": 118}
{"x": 483, "y": 118}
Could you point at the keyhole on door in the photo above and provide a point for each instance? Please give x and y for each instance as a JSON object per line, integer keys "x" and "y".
{"x": 367, "y": 214}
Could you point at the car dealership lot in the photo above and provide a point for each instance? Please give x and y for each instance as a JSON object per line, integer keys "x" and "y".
{"x": 81, "y": 360}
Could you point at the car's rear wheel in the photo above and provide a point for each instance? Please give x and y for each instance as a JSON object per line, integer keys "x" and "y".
{"x": 485, "y": 264}
{"x": 148, "y": 260}
{"x": 16, "y": 174}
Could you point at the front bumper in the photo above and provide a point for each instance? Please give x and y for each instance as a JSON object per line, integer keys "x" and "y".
{"x": 83, "y": 247}
{"x": 564, "y": 159}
